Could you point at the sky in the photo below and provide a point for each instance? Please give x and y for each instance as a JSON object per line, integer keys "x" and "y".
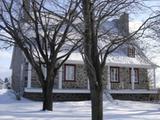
{"x": 6, "y": 55}
{"x": 5, "y": 60}
{"x": 154, "y": 53}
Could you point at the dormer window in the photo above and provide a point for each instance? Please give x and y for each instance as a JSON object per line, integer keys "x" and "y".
{"x": 131, "y": 52}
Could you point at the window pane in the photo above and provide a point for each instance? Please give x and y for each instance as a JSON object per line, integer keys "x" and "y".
{"x": 136, "y": 75}
{"x": 70, "y": 72}
{"x": 114, "y": 74}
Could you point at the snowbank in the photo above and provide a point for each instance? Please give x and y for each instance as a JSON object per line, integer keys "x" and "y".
{"x": 11, "y": 109}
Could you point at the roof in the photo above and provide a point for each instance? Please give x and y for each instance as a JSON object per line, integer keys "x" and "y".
{"x": 128, "y": 61}
{"x": 121, "y": 61}
{"x": 117, "y": 58}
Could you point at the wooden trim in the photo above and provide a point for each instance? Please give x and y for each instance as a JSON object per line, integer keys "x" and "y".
{"x": 124, "y": 91}
{"x": 26, "y": 66}
{"x": 137, "y": 76}
{"x": 60, "y": 78}
{"x": 154, "y": 77}
{"x": 39, "y": 90}
{"x": 74, "y": 65}
{"x": 108, "y": 78}
{"x": 130, "y": 65}
{"x": 118, "y": 75}
{"x": 135, "y": 91}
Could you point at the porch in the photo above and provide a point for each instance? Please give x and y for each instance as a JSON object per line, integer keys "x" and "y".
{"x": 81, "y": 94}
{"x": 124, "y": 84}
{"x": 132, "y": 81}
{"x": 139, "y": 75}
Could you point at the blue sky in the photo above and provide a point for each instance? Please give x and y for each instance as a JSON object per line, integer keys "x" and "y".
{"x": 5, "y": 55}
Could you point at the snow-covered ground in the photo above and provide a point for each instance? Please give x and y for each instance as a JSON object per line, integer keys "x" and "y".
{"x": 11, "y": 109}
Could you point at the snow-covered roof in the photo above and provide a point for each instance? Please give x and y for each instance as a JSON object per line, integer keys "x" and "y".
{"x": 117, "y": 58}
{"x": 121, "y": 61}
{"x": 127, "y": 61}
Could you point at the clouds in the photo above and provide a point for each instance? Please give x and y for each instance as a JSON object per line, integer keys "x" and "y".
{"x": 5, "y": 54}
{"x": 134, "y": 25}
{"x": 5, "y": 60}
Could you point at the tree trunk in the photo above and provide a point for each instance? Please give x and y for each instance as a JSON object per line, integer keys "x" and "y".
{"x": 47, "y": 97}
{"x": 92, "y": 61}
{"x": 97, "y": 104}
{"x": 96, "y": 97}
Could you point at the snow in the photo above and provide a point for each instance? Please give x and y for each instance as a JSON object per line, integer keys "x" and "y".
{"x": 11, "y": 109}
{"x": 113, "y": 60}
{"x": 124, "y": 60}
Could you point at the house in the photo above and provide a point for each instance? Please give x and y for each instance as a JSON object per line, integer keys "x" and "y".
{"x": 126, "y": 74}
{"x": 7, "y": 84}
{"x": 1, "y": 84}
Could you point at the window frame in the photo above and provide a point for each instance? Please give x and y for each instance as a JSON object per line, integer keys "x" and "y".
{"x": 113, "y": 81}
{"x": 65, "y": 77}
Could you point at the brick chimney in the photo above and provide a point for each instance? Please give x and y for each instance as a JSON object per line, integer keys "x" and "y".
{"x": 26, "y": 8}
{"x": 124, "y": 24}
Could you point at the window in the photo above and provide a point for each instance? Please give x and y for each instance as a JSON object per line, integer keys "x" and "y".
{"x": 69, "y": 72}
{"x": 136, "y": 73}
{"x": 114, "y": 74}
{"x": 131, "y": 52}
{"x": 25, "y": 81}
{"x": 26, "y": 66}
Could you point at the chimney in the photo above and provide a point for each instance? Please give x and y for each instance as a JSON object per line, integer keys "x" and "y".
{"x": 26, "y": 9}
{"x": 124, "y": 24}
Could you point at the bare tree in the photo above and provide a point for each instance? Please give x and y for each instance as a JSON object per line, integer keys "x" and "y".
{"x": 42, "y": 30}
{"x": 154, "y": 28}
{"x": 99, "y": 43}
{"x": 150, "y": 41}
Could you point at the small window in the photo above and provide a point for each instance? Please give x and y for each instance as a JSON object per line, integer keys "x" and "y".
{"x": 131, "y": 52}
{"x": 114, "y": 74}
{"x": 69, "y": 72}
